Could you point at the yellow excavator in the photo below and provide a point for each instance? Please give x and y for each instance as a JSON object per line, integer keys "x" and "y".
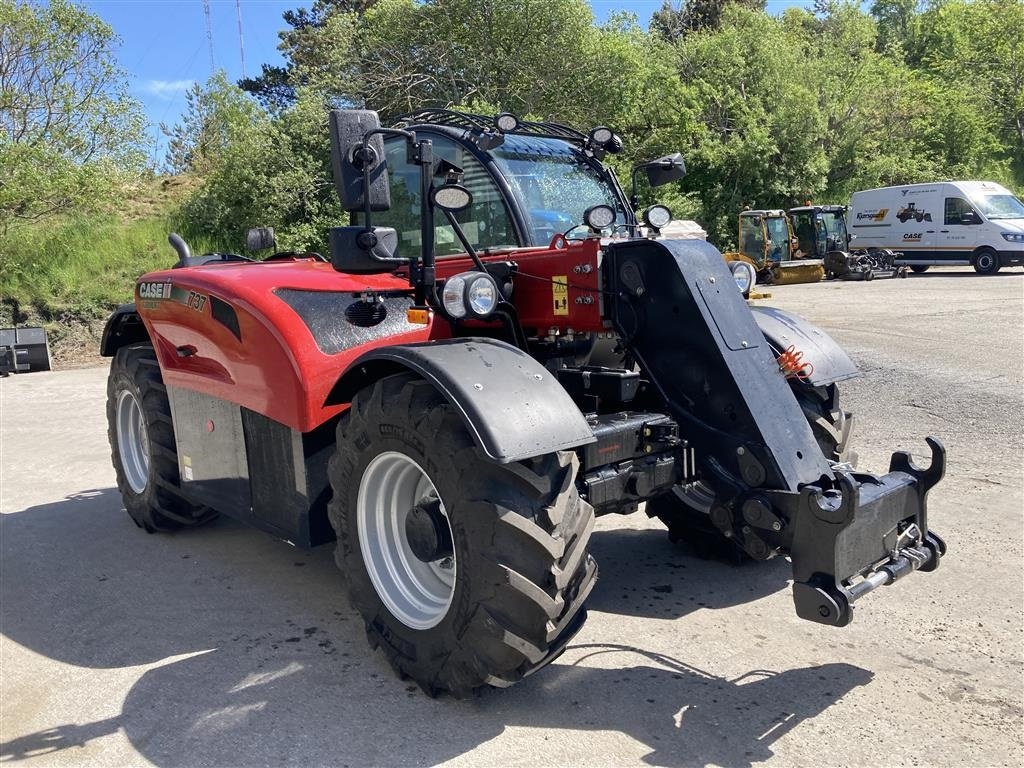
{"x": 766, "y": 241}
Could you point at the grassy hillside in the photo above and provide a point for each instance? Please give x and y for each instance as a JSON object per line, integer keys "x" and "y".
{"x": 67, "y": 273}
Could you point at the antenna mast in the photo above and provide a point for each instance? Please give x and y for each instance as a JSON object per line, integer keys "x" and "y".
{"x": 209, "y": 33}
{"x": 241, "y": 42}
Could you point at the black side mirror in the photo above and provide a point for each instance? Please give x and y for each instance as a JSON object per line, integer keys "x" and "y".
{"x": 354, "y": 161}
{"x": 260, "y": 239}
{"x": 969, "y": 218}
{"x": 664, "y": 170}
{"x": 361, "y": 250}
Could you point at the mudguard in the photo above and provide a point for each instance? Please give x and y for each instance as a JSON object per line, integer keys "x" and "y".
{"x": 782, "y": 329}
{"x": 124, "y": 326}
{"x": 513, "y": 406}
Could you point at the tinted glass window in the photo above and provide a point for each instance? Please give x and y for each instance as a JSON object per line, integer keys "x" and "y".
{"x": 752, "y": 237}
{"x": 806, "y": 233}
{"x": 778, "y": 234}
{"x": 486, "y": 221}
{"x": 956, "y": 209}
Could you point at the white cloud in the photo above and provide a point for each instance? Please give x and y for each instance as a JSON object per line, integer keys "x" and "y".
{"x": 167, "y": 89}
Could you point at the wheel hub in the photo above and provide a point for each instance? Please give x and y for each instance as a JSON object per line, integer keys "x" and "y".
{"x": 405, "y": 538}
{"x": 426, "y": 529}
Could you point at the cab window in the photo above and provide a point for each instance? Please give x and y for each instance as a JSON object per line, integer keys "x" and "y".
{"x": 752, "y": 237}
{"x": 485, "y": 222}
{"x": 956, "y": 209}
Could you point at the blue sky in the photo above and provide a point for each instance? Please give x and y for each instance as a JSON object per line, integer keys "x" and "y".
{"x": 165, "y": 50}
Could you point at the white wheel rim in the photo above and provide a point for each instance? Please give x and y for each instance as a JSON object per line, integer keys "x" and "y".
{"x": 418, "y": 594}
{"x": 132, "y": 441}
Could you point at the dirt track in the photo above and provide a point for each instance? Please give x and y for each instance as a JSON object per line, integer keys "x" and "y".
{"x": 223, "y": 646}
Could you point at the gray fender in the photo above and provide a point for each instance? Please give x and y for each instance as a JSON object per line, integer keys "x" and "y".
{"x": 781, "y": 329}
{"x": 512, "y": 405}
{"x": 124, "y": 326}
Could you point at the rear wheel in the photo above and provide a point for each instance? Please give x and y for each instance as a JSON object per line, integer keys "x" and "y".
{"x": 986, "y": 262}
{"x": 919, "y": 269}
{"x": 142, "y": 444}
{"x": 687, "y": 516}
{"x": 466, "y": 572}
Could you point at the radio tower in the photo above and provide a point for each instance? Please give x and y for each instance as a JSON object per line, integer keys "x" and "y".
{"x": 209, "y": 33}
{"x": 241, "y": 43}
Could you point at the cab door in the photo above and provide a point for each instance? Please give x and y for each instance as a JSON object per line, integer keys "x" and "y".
{"x": 958, "y": 233}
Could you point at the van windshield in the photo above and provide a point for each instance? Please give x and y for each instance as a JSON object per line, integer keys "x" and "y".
{"x": 1000, "y": 207}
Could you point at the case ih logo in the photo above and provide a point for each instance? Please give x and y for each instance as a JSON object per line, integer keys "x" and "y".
{"x": 872, "y": 215}
{"x": 154, "y": 290}
{"x": 912, "y": 236}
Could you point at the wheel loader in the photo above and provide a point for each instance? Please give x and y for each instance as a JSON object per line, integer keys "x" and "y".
{"x": 496, "y": 349}
{"x": 822, "y": 233}
{"x": 766, "y": 241}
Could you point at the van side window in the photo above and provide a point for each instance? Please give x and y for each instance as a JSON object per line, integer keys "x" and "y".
{"x": 956, "y": 209}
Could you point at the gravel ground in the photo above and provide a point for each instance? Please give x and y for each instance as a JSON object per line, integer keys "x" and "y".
{"x": 223, "y": 646}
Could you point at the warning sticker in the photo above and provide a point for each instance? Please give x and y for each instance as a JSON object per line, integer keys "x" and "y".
{"x": 560, "y": 294}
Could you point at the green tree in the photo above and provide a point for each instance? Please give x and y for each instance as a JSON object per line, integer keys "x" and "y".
{"x": 70, "y": 136}
{"x": 217, "y": 116}
{"x": 276, "y": 86}
{"x": 256, "y": 169}
{"x": 671, "y": 21}
{"x": 977, "y": 49}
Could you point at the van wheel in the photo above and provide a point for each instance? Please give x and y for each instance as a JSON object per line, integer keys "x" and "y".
{"x": 986, "y": 262}
{"x": 919, "y": 269}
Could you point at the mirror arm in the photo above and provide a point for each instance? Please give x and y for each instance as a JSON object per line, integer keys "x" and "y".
{"x": 464, "y": 240}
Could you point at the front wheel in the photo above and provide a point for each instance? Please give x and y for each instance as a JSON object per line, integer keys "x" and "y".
{"x": 986, "y": 262}
{"x": 467, "y": 572}
{"x": 142, "y": 444}
{"x": 919, "y": 269}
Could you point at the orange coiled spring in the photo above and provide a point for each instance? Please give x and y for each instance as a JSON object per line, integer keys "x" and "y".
{"x": 792, "y": 365}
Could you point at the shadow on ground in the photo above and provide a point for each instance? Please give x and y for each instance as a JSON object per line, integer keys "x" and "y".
{"x": 281, "y": 673}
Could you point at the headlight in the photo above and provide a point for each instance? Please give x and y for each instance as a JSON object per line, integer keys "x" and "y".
{"x": 1013, "y": 237}
{"x": 657, "y": 216}
{"x": 453, "y": 296}
{"x": 482, "y": 296}
{"x": 599, "y": 217}
{"x": 744, "y": 275}
{"x": 470, "y": 293}
{"x": 506, "y": 122}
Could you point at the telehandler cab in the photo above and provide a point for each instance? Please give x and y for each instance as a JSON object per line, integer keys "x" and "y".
{"x": 498, "y": 349}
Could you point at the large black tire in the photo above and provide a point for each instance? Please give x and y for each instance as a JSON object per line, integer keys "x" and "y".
{"x": 519, "y": 534}
{"x": 986, "y": 262}
{"x": 919, "y": 269}
{"x": 159, "y": 506}
{"x": 832, "y": 428}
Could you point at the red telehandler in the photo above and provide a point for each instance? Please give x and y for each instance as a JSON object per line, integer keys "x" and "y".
{"x": 498, "y": 348}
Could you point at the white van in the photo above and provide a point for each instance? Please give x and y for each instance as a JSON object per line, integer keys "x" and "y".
{"x": 951, "y": 222}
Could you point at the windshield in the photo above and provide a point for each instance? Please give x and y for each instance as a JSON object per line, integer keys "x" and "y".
{"x": 554, "y": 184}
{"x": 1000, "y": 207}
